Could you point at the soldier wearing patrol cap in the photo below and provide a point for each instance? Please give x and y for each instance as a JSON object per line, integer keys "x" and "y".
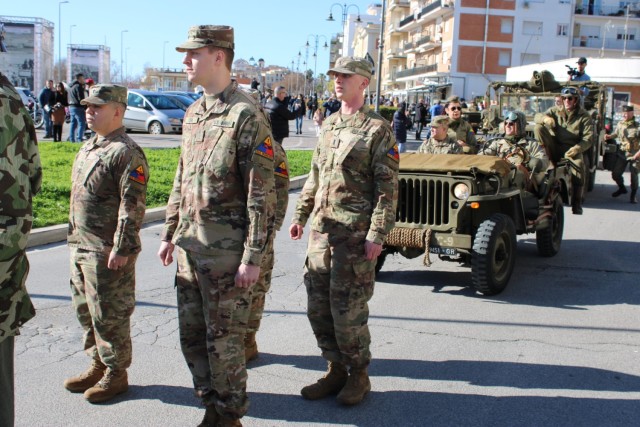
{"x": 351, "y": 193}
{"x": 217, "y": 215}
{"x": 108, "y": 196}
{"x": 567, "y": 131}
{"x": 440, "y": 142}
{"x": 21, "y": 178}
{"x": 628, "y": 138}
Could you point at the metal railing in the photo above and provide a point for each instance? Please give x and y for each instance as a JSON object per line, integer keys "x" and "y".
{"x": 417, "y": 70}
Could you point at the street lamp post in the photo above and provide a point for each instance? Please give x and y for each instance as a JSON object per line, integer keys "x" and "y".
{"x": 60, "y": 38}
{"x": 345, "y": 10}
{"x": 122, "y": 53}
{"x": 379, "y": 65}
{"x": 164, "y": 44}
{"x": 315, "y": 51}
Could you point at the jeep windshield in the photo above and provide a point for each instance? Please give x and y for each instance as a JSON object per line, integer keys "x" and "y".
{"x": 528, "y": 104}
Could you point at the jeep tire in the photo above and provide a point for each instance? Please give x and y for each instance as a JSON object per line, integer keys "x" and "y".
{"x": 549, "y": 239}
{"x": 493, "y": 255}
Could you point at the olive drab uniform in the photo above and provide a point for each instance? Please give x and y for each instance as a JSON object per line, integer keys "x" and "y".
{"x": 108, "y": 201}
{"x": 571, "y": 128}
{"x": 461, "y": 130}
{"x": 628, "y": 136}
{"x": 276, "y": 218}
{"x": 20, "y": 180}
{"x": 352, "y": 193}
{"x": 448, "y": 145}
{"x": 217, "y": 215}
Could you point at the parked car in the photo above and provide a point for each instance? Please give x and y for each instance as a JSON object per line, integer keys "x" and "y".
{"x": 193, "y": 95}
{"x": 183, "y": 101}
{"x": 152, "y": 112}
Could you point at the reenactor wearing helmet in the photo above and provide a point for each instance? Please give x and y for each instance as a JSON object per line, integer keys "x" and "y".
{"x": 628, "y": 138}
{"x": 567, "y": 132}
{"x": 440, "y": 142}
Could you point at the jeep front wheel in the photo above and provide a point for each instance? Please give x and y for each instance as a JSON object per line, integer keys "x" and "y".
{"x": 549, "y": 239}
{"x": 494, "y": 254}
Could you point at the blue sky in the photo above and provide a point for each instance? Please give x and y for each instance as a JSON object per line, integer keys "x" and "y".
{"x": 274, "y": 30}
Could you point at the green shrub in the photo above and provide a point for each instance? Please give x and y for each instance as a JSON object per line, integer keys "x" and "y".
{"x": 387, "y": 112}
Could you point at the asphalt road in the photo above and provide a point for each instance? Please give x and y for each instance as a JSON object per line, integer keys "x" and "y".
{"x": 560, "y": 346}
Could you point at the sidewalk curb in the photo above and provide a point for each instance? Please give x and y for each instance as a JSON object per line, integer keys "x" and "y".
{"x": 58, "y": 233}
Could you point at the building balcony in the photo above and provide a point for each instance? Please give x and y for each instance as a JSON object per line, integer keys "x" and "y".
{"x": 609, "y": 11}
{"x": 396, "y": 4}
{"x": 417, "y": 71}
{"x": 410, "y": 22}
{"x": 610, "y": 43}
{"x": 394, "y": 27}
{"x": 395, "y": 53}
{"x": 436, "y": 9}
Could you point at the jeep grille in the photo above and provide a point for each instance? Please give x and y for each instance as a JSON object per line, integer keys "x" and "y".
{"x": 423, "y": 201}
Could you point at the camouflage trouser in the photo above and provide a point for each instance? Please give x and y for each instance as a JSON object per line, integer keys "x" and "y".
{"x": 262, "y": 286}
{"x": 340, "y": 281}
{"x": 104, "y": 301}
{"x": 213, "y": 315}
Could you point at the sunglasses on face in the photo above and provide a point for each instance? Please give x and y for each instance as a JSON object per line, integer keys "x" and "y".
{"x": 506, "y": 123}
{"x": 569, "y": 98}
{"x": 455, "y": 108}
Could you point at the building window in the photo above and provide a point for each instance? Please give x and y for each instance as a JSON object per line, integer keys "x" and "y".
{"x": 506, "y": 26}
{"x": 532, "y": 28}
{"x": 529, "y": 58}
{"x": 504, "y": 58}
{"x": 626, "y": 36}
{"x": 563, "y": 30}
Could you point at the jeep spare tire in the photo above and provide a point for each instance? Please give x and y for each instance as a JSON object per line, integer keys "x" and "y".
{"x": 493, "y": 255}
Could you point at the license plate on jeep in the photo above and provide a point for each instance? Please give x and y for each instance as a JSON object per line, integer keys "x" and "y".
{"x": 443, "y": 251}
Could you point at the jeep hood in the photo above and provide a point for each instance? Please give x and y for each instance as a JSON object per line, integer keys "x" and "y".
{"x": 457, "y": 163}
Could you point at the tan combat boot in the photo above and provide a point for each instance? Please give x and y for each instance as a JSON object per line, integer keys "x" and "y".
{"x": 357, "y": 387}
{"x": 250, "y": 347}
{"x": 87, "y": 379}
{"x": 332, "y": 382}
{"x": 112, "y": 384}
{"x": 211, "y": 417}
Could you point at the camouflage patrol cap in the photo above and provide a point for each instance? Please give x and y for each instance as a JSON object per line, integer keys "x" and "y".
{"x": 351, "y": 65}
{"x": 208, "y": 35}
{"x": 440, "y": 120}
{"x": 103, "y": 94}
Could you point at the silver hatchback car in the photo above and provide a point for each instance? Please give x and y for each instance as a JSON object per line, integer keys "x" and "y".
{"x": 152, "y": 112}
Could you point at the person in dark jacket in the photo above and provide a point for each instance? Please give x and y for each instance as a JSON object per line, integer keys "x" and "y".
{"x": 77, "y": 110}
{"x": 420, "y": 118}
{"x": 279, "y": 114}
{"x": 299, "y": 109}
{"x": 47, "y": 101}
{"x": 331, "y": 106}
{"x": 400, "y": 124}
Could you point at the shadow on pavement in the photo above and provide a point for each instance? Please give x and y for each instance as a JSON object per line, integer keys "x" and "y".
{"x": 170, "y": 394}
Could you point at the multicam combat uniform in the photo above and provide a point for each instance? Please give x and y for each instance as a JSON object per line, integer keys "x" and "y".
{"x": 217, "y": 215}
{"x": 20, "y": 179}
{"x": 276, "y": 218}
{"x": 352, "y": 194}
{"x": 461, "y": 130}
{"x": 448, "y": 145}
{"x": 108, "y": 199}
{"x": 628, "y": 137}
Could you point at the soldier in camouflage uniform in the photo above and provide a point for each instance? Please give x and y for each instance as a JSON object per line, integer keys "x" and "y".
{"x": 20, "y": 179}
{"x": 628, "y": 137}
{"x": 515, "y": 147}
{"x": 276, "y": 218}
{"x": 352, "y": 194}
{"x": 567, "y": 132}
{"x": 459, "y": 128}
{"x": 440, "y": 141}
{"x": 108, "y": 194}
{"x": 217, "y": 216}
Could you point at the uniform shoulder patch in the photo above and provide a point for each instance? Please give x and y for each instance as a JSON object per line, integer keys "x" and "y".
{"x": 265, "y": 148}
{"x": 281, "y": 170}
{"x": 393, "y": 153}
{"x": 137, "y": 175}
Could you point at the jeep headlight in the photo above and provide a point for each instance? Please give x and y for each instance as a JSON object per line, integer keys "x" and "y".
{"x": 461, "y": 191}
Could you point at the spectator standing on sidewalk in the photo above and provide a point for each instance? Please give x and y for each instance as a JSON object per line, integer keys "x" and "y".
{"x": 21, "y": 179}
{"x": 279, "y": 114}
{"x": 318, "y": 118}
{"x": 400, "y": 124}
{"x": 108, "y": 200}
{"x": 77, "y": 110}
{"x": 58, "y": 112}
{"x": 299, "y": 110}
{"x": 46, "y": 98}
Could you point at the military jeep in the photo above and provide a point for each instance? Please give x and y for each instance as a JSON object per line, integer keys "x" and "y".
{"x": 468, "y": 209}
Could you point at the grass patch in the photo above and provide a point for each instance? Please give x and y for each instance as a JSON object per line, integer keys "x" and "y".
{"x": 51, "y": 206}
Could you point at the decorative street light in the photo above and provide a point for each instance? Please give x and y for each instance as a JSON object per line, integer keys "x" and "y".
{"x": 345, "y": 10}
{"x": 60, "y": 38}
{"x": 164, "y": 44}
{"x": 122, "y": 53}
{"x": 317, "y": 38}
{"x": 379, "y": 65}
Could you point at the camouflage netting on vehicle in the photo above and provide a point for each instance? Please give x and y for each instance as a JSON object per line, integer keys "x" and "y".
{"x": 411, "y": 238}
{"x": 453, "y": 163}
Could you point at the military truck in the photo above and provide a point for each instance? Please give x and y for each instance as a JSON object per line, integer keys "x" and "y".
{"x": 469, "y": 209}
{"x": 536, "y": 96}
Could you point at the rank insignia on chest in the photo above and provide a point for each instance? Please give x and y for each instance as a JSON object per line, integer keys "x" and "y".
{"x": 137, "y": 175}
{"x": 265, "y": 149}
{"x": 393, "y": 153}
{"x": 281, "y": 170}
